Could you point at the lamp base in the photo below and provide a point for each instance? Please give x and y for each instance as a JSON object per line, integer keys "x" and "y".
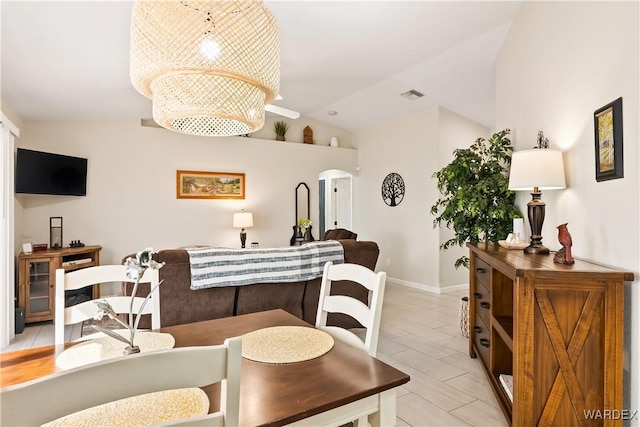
{"x": 535, "y": 210}
{"x": 536, "y": 249}
{"x": 243, "y": 238}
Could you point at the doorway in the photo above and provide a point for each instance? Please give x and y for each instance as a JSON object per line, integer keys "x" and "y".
{"x": 336, "y": 200}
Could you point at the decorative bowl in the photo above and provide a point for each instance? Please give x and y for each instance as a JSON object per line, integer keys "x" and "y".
{"x": 519, "y": 245}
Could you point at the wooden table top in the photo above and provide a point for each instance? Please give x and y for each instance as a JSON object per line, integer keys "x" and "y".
{"x": 270, "y": 394}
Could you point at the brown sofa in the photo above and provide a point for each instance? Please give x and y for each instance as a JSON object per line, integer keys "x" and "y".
{"x": 179, "y": 304}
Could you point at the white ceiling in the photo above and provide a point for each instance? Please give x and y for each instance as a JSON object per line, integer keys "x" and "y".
{"x": 69, "y": 59}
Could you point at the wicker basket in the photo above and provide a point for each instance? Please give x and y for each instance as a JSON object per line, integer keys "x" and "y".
{"x": 463, "y": 317}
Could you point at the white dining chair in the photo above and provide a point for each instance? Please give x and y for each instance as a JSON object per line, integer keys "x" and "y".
{"x": 367, "y": 315}
{"x": 67, "y": 392}
{"x": 66, "y": 281}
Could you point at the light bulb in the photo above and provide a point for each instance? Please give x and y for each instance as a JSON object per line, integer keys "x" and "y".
{"x": 210, "y": 48}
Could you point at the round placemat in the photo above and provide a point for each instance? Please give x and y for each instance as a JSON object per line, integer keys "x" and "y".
{"x": 104, "y": 348}
{"x": 146, "y": 409}
{"x": 285, "y": 344}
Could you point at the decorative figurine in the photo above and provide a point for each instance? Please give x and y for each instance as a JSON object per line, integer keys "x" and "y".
{"x": 307, "y": 135}
{"x": 563, "y": 256}
{"x": 542, "y": 141}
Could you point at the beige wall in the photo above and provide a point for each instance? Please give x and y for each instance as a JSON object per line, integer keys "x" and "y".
{"x": 408, "y": 242}
{"x": 560, "y": 62}
{"x": 131, "y": 190}
{"x": 415, "y": 147}
{"x": 11, "y": 114}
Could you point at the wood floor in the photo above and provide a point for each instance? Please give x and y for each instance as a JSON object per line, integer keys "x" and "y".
{"x": 420, "y": 336}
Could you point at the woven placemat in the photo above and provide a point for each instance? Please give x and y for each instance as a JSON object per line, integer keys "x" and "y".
{"x": 104, "y": 348}
{"x": 146, "y": 409}
{"x": 285, "y": 344}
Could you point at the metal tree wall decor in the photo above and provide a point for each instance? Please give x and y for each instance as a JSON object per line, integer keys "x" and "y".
{"x": 393, "y": 189}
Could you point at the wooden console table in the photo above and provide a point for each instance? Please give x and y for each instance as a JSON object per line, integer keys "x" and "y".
{"x": 36, "y": 278}
{"x": 556, "y": 329}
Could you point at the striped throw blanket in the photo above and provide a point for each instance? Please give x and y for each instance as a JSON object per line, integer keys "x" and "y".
{"x": 216, "y": 267}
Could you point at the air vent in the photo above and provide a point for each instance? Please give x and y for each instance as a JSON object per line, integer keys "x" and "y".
{"x": 412, "y": 95}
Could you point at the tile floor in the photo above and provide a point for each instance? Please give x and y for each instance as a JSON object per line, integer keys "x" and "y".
{"x": 420, "y": 336}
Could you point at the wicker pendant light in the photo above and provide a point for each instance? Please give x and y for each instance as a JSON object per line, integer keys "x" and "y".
{"x": 208, "y": 66}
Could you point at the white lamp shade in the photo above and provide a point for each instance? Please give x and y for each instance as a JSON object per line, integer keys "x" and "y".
{"x": 242, "y": 220}
{"x": 540, "y": 167}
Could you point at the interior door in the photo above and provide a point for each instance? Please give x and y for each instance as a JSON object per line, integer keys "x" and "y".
{"x": 342, "y": 203}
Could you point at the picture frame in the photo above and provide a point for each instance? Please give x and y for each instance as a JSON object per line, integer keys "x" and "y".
{"x": 607, "y": 123}
{"x": 209, "y": 185}
{"x": 55, "y": 232}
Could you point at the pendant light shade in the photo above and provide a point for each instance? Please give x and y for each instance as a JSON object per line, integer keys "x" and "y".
{"x": 208, "y": 66}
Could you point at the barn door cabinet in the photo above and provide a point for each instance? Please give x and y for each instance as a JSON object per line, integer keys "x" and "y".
{"x": 37, "y": 275}
{"x": 555, "y": 331}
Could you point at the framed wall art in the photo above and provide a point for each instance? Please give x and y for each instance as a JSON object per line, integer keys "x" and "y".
{"x": 209, "y": 185}
{"x": 607, "y": 122}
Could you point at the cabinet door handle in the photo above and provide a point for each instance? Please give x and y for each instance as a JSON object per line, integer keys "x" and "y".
{"x": 484, "y": 305}
{"x": 484, "y": 342}
{"x": 480, "y": 270}
{"x": 477, "y": 295}
{"x": 478, "y": 329}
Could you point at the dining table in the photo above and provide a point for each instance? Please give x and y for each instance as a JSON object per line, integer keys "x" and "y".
{"x": 340, "y": 386}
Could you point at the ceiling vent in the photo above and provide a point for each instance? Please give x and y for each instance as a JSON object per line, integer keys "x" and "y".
{"x": 412, "y": 95}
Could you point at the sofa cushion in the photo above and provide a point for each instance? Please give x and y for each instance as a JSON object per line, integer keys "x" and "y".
{"x": 269, "y": 296}
{"x": 339, "y": 234}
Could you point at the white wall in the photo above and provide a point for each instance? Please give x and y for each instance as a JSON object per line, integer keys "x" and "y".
{"x": 408, "y": 243}
{"x": 415, "y": 147}
{"x": 561, "y": 61}
{"x": 131, "y": 190}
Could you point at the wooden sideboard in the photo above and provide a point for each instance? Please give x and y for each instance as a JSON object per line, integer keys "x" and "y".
{"x": 36, "y": 278}
{"x": 556, "y": 329}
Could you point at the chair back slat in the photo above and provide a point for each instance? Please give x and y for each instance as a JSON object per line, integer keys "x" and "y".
{"x": 86, "y": 310}
{"x": 350, "y": 306}
{"x": 354, "y": 272}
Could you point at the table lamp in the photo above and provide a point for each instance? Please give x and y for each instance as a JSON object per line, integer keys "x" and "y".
{"x": 243, "y": 220}
{"x": 536, "y": 170}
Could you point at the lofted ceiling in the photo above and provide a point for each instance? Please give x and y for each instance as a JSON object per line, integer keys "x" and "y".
{"x": 68, "y": 60}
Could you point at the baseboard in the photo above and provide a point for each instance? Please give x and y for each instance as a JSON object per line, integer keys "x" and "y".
{"x": 427, "y": 288}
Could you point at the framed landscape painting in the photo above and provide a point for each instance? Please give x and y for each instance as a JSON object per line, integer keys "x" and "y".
{"x": 608, "y": 138}
{"x": 210, "y": 185}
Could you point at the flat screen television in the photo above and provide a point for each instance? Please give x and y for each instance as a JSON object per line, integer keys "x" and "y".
{"x": 38, "y": 172}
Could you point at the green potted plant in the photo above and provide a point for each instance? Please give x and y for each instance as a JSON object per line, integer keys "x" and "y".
{"x": 280, "y": 128}
{"x": 475, "y": 198}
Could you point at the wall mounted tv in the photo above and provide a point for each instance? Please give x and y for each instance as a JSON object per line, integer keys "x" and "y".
{"x": 38, "y": 172}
